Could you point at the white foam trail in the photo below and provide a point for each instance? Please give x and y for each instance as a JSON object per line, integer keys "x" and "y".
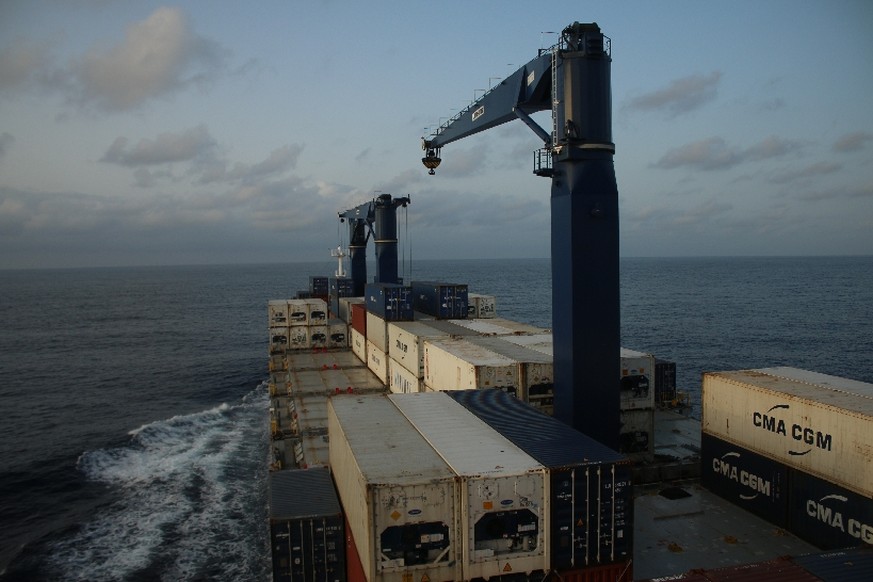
{"x": 194, "y": 490}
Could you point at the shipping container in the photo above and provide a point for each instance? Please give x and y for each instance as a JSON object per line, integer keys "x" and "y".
{"x": 318, "y": 336}
{"x": 278, "y": 338}
{"x": 441, "y": 300}
{"x": 637, "y": 380}
{"x": 377, "y": 331}
{"x": 839, "y": 565}
{"x": 307, "y": 533}
{"x": 827, "y": 515}
{"x": 359, "y": 345}
{"x": 590, "y": 519}
{"x": 341, "y": 287}
{"x": 637, "y": 433}
{"x": 318, "y": 286}
{"x": 354, "y": 565}
{"x": 481, "y": 306}
{"x": 277, "y": 311}
{"x": 406, "y": 343}
{"x": 456, "y": 364}
{"x": 402, "y": 381}
{"x": 615, "y": 572}
{"x": 377, "y": 362}
{"x": 751, "y": 481}
{"x": 389, "y": 301}
{"x": 359, "y": 317}
{"x": 665, "y": 382}
{"x": 816, "y": 428}
{"x": 502, "y": 504}
{"x": 344, "y": 307}
{"x": 317, "y": 311}
{"x": 503, "y": 326}
{"x": 536, "y": 371}
{"x": 337, "y": 334}
{"x": 298, "y": 312}
{"x": 298, "y": 337}
{"x": 311, "y": 451}
{"x": 399, "y": 496}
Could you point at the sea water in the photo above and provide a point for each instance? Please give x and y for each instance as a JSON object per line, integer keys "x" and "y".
{"x": 134, "y": 439}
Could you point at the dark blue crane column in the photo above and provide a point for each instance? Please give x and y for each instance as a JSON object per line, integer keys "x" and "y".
{"x": 386, "y": 237}
{"x": 585, "y": 242}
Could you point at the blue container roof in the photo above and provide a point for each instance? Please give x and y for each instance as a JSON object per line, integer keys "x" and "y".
{"x": 546, "y": 439}
{"x": 302, "y": 493}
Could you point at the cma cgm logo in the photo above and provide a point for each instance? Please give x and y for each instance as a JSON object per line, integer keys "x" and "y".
{"x": 825, "y": 512}
{"x": 804, "y": 435}
{"x": 726, "y": 467}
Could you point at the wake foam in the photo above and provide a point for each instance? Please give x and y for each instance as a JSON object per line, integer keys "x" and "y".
{"x": 193, "y": 500}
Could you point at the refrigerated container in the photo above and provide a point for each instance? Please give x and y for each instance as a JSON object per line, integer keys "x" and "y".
{"x": 456, "y": 364}
{"x": 590, "y": 520}
{"x": 481, "y": 306}
{"x": 399, "y": 495}
{"x": 536, "y": 370}
{"x": 636, "y": 381}
{"x": 277, "y": 312}
{"x": 317, "y": 311}
{"x": 298, "y": 312}
{"x": 502, "y": 503}
{"x": 665, "y": 381}
{"x": 637, "y": 433}
{"x": 337, "y": 333}
{"x": 278, "y": 339}
{"x": 823, "y": 429}
{"x": 307, "y": 533}
{"x": 318, "y": 336}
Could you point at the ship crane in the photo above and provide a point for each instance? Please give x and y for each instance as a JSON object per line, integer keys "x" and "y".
{"x": 381, "y": 211}
{"x": 572, "y": 79}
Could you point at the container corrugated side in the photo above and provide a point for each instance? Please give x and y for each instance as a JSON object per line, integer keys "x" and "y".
{"x": 754, "y": 482}
{"x": 827, "y": 515}
{"x": 439, "y": 299}
{"x": 391, "y": 302}
{"x": 398, "y": 494}
{"x": 637, "y": 380}
{"x": 406, "y": 343}
{"x": 814, "y": 428}
{"x": 591, "y": 494}
{"x": 536, "y": 372}
{"x": 307, "y": 532}
{"x": 377, "y": 362}
{"x": 455, "y": 364}
{"x": 377, "y": 331}
{"x": 359, "y": 317}
{"x": 503, "y": 506}
{"x": 359, "y": 345}
{"x": 401, "y": 380}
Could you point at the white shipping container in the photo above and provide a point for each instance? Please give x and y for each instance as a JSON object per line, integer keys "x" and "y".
{"x": 317, "y": 311}
{"x": 823, "y": 429}
{"x": 503, "y": 501}
{"x": 298, "y": 312}
{"x": 399, "y": 496}
{"x": 345, "y": 307}
{"x": 637, "y": 380}
{"x": 298, "y": 337}
{"x": 377, "y": 361}
{"x": 402, "y": 381}
{"x": 406, "y": 343}
{"x": 277, "y": 312}
{"x": 377, "y": 331}
{"x": 278, "y": 340}
{"x": 318, "y": 336}
{"x": 499, "y": 326}
{"x": 637, "y": 433}
{"x": 481, "y": 306}
{"x": 337, "y": 334}
{"x": 359, "y": 344}
{"x": 536, "y": 372}
{"x": 456, "y": 364}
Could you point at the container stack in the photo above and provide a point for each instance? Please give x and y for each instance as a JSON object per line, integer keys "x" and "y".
{"x": 794, "y": 447}
{"x": 481, "y": 306}
{"x": 637, "y": 398}
{"x": 440, "y": 300}
{"x": 385, "y": 303}
{"x": 399, "y": 495}
{"x": 589, "y": 521}
{"x": 501, "y": 518}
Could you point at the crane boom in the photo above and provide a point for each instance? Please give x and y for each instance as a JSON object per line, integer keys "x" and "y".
{"x": 573, "y": 80}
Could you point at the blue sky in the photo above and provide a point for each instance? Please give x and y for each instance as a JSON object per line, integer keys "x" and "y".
{"x": 216, "y": 132}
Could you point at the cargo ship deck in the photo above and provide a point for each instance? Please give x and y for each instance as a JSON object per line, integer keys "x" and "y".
{"x": 678, "y": 525}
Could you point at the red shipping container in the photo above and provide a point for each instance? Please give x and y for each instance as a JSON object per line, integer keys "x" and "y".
{"x": 359, "y": 318}
{"x": 616, "y": 572}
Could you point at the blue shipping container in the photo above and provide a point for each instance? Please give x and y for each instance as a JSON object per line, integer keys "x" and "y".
{"x": 441, "y": 300}
{"x": 389, "y": 301}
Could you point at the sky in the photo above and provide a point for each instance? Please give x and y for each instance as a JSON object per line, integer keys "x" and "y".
{"x": 144, "y": 133}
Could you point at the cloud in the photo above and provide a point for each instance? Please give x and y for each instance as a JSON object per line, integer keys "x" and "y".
{"x": 810, "y": 171}
{"x": 20, "y": 63}
{"x": 280, "y": 160}
{"x": 166, "y": 148}
{"x": 852, "y": 142}
{"x": 158, "y": 56}
{"x": 681, "y": 96}
{"x": 714, "y": 154}
{"x": 6, "y": 140}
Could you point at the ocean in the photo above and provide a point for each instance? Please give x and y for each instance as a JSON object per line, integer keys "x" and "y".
{"x": 134, "y": 440}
